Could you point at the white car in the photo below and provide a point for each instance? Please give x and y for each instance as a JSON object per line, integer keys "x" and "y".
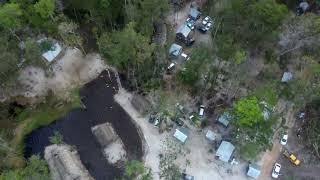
{"x": 171, "y": 66}
{"x": 185, "y": 56}
{"x": 276, "y": 170}
{"x": 284, "y": 139}
{"x": 201, "y": 111}
{"x": 206, "y": 20}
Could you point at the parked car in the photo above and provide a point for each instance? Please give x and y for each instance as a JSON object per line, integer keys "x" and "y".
{"x": 171, "y": 66}
{"x": 201, "y": 111}
{"x": 276, "y": 170}
{"x": 185, "y": 56}
{"x": 179, "y": 122}
{"x": 190, "y": 23}
{"x": 292, "y": 157}
{"x": 284, "y": 139}
{"x": 206, "y": 20}
{"x": 206, "y": 24}
{"x": 187, "y": 177}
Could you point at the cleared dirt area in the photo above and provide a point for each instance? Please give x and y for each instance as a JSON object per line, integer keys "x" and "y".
{"x": 71, "y": 70}
{"x": 202, "y": 163}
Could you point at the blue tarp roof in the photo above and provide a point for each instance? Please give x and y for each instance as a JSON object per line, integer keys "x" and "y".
{"x": 225, "y": 151}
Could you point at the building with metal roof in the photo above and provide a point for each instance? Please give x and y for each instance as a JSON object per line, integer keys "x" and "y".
{"x": 184, "y": 30}
{"x": 194, "y": 13}
{"x": 211, "y": 136}
{"x": 175, "y": 50}
{"x": 225, "y": 119}
{"x": 225, "y": 151}
{"x": 253, "y": 171}
{"x": 181, "y": 134}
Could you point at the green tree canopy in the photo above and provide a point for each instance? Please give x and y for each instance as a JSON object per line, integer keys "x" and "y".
{"x": 195, "y": 67}
{"x": 145, "y": 13}
{"x": 10, "y": 14}
{"x": 36, "y": 169}
{"x": 134, "y": 169}
{"x": 248, "y": 112}
{"x": 45, "y": 8}
{"x": 126, "y": 49}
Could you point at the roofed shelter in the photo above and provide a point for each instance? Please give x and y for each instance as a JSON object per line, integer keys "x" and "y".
{"x": 225, "y": 119}
{"x": 51, "y": 54}
{"x": 253, "y": 171}
{"x": 194, "y": 13}
{"x": 181, "y": 134}
{"x": 225, "y": 151}
{"x": 184, "y": 34}
{"x": 175, "y": 50}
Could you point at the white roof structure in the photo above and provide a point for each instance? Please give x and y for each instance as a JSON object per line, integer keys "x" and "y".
{"x": 52, "y": 53}
{"x": 287, "y": 76}
{"x": 211, "y": 136}
{"x": 184, "y": 30}
{"x": 225, "y": 151}
{"x": 181, "y": 134}
{"x": 253, "y": 171}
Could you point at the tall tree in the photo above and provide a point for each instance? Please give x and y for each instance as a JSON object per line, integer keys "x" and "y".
{"x": 45, "y": 8}
{"x": 145, "y": 13}
{"x": 248, "y": 112}
{"x": 127, "y": 50}
{"x": 10, "y": 14}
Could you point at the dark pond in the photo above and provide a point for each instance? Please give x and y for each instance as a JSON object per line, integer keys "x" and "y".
{"x": 97, "y": 96}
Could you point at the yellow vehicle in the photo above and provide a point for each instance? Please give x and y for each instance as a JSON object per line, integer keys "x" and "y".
{"x": 293, "y": 158}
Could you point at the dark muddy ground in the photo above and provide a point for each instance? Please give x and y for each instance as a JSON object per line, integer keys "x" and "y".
{"x": 309, "y": 169}
{"x": 97, "y": 96}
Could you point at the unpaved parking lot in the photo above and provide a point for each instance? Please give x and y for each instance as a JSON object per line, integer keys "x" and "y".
{"x": 203, "y": 164}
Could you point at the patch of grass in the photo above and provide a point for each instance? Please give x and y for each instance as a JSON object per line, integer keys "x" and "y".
{"x": 41, "y": 115}
{"x": 267, "y": 93}
{"x": 249, "y": 151}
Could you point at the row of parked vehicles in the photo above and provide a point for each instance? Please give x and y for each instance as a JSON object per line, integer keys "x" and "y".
{"x": 289, "y": 155}
{"x": 206, "y": 24}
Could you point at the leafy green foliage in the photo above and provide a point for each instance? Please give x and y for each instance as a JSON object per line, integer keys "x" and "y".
{"x": 195, "y": 67}
{"x": 33, "y": 53}
{"x": 45, "y": 8}
{"x": 57, "y": 138}
{"x": 247, "y": 112}
{"x": 67, "y": 31}
{"x": 145, "y": 13}
{"x": 36, "y": 169}
{"x": 134, "y": 169}
{"x": 10, "y": 14}
{"x": 9, "y": 59}
{"x": 247, "y": 23}
{"x": 126, "y": 49}
{"x": 130, "y": 52}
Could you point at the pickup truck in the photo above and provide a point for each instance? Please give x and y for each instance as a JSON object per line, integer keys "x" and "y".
{"x": 293, "y": 158}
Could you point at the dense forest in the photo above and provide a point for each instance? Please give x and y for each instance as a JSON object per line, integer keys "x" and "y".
{"x": 252, "y": 43}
